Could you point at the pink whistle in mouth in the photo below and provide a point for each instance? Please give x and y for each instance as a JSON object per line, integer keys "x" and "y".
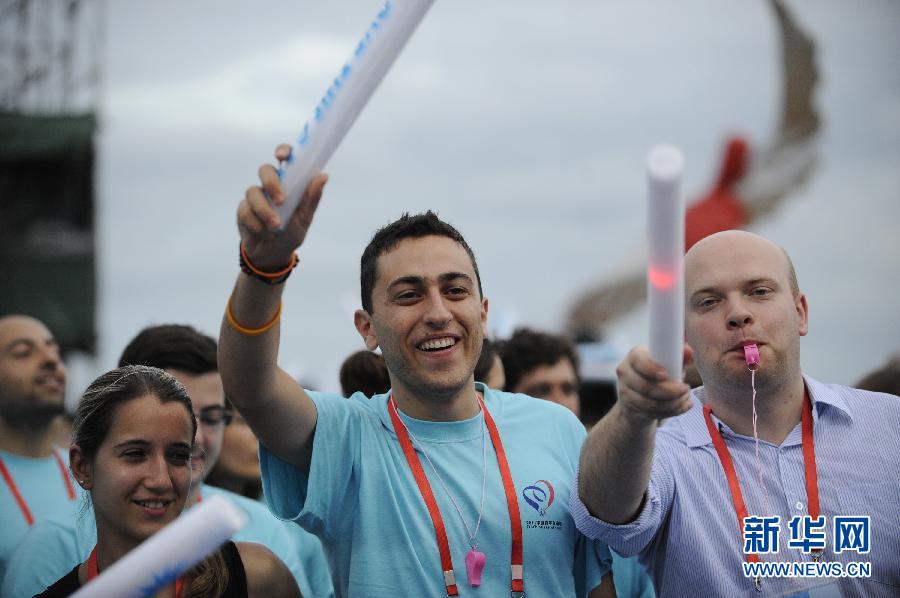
{"x": 751, "y": 354}
{"x": 474, "y": 565}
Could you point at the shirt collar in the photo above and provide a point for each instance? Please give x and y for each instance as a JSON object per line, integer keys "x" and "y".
{"x": 693, "y": 423}
{"x": 826, "y": 399}
{"x": 454, "y": 431}
{"x": 826, "y": 402}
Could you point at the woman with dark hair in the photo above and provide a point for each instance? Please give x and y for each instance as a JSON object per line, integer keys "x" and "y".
{"x": 133, "y": 433}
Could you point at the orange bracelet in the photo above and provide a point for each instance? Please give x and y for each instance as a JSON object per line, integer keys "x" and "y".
{"x": 250, "y": 331}
{"x": 268, "y": 277}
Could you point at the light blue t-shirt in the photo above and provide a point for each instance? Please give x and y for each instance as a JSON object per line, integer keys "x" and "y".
{"x": 312, "y": 559}
{"x": 630, "y": 577}
{"x": 43, "y": 488}
{"x": 54, "y": 546}
{"x": 361, "y": 498}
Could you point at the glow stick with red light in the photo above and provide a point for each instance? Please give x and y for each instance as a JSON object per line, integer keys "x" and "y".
{"x": 665, "y": 264}
{"x": 348, "y": 95}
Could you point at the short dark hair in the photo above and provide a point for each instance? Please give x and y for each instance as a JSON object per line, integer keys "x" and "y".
{"x": 884, "y": 379}
{"x": 528, "y": 349}
{"x": 97, "y": 407}
{"x": 485, "y": 360}
{"x": 365, "y": 372}
{"x": 172, "y": 346}
{"x": 388, "y": 237}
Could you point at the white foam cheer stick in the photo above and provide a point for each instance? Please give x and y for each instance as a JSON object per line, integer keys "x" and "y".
{"x": 165, "y": 555}
{"x": 665, "y": 264}
{"x": 347, "y": 95}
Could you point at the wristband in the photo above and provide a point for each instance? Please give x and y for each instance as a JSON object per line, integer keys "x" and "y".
{"x": 267, "y": 277}
{"x": 250, "y": 331}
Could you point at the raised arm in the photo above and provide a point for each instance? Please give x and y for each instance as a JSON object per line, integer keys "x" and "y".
{"x": 616, "y": 458}
{"x": 277, "y": 409}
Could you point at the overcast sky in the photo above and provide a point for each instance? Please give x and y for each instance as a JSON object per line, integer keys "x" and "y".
{"x": 526, "y": 124}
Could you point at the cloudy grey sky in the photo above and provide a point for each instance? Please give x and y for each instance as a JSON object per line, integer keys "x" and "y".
{"x": 524, "y": 123}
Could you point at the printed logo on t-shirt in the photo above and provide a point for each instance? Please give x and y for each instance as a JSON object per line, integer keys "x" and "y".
{"x": 540, "y": 496}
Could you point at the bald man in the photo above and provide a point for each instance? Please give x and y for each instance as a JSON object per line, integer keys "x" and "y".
{"x": 35, "y": 480}
{"x": 673, "y": 494}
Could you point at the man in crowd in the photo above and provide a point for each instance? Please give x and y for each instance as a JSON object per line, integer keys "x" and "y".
{"x": 444, "y": 487}
{"x": 542, "y": 365}
{"x": 52, "y": 549}
{"x": 678, "y": 495}
{"x": 36, "y": 481}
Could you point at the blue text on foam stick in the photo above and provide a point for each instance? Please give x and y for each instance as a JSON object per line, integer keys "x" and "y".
{"x": 328, "y": 99}
{"x": 346, "y": 96}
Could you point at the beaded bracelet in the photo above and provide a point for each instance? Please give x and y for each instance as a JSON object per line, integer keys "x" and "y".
{"x": 267, "y": 277}
{"x": 250, "y": 331}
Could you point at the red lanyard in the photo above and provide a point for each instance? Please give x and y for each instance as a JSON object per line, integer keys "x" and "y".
{"x": 26, "y": 512}
{"x": 809, "y": 467}
{"x": 93, "y": 570}
{"x": 515, "y": 522}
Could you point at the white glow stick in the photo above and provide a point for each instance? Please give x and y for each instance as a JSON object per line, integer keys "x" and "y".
{"x": 348, "y": 94}
{"x": 162, "y": 557}
{"x": 665, "y": 262}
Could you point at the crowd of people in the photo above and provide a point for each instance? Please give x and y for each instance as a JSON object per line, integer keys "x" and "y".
{"x": 452, "y": 464}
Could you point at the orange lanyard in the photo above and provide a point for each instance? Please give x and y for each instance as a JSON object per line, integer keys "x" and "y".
{"x": 809, "y": 467}
{"x": 26, "y": 512}
{"x": 517, "y": 583}
{"x": 93, "y": 570}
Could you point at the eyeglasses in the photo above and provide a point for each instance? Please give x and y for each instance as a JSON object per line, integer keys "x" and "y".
{"x": 215, "y": 416}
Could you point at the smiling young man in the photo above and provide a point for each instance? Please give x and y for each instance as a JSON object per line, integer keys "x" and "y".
{"x": 35, "y": 479}
{"x": 439, "y": 487}
{"x": 673, "y": 494}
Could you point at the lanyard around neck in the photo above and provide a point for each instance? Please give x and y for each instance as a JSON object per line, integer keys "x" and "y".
{"x": 517, "y": 583}
{"x": 809, "y": 467}
{"x": 23, "y": 506}
{"x": 93, "y": 570}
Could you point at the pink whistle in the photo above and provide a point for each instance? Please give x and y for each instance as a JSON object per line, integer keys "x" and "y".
{"x": 751, "y": 354}
{"x": 474, "y": 565}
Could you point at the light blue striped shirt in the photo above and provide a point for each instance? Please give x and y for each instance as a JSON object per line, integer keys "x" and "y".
{"x": 687, "y": 533}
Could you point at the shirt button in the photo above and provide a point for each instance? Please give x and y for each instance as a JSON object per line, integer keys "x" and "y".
{"x": 799, "y": 506}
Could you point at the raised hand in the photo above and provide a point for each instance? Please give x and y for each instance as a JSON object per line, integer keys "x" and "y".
{"x": 269, "y": 245}
{"x": 645, "y": 391}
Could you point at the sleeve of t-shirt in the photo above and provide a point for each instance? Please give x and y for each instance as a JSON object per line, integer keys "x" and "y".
{"x": 320, "y": 501}
{"x": 285, "y": 546}
{"x": 47, "y": 553}
{"x": 312, "y": 557}
{"x": 593, "y": 560}
{"x": 631, "y": 538}
{"x": 630, "y": 577}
